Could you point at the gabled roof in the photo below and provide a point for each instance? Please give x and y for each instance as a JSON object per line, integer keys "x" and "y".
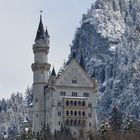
{"x": 74, "y": 70}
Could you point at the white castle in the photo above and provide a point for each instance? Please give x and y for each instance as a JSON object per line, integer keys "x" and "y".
{"x": 66, "y": 100}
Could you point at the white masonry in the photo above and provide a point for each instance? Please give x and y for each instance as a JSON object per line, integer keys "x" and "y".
{"x": 40, "y": 69}
{"x": 69, "y": 99}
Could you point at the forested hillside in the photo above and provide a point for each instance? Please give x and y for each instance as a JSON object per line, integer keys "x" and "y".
{"x": 108, "y": 41}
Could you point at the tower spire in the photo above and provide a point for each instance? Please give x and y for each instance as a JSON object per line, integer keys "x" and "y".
{"x": 46, "y": 33}
{"x": 53, "y": 72}
{"x": 40, "y": 31}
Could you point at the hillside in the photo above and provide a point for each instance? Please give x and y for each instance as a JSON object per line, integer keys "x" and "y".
{"x": 109, "y": 41}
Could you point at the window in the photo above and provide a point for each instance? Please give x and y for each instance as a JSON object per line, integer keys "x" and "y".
{"x": 83, "y": 113}
{"x": 41, "y": 72}
{"x": 89, "y": 115}
{"x": 67, "y": 113}
{"x": 79, "y": 103}
{"x": 75, "y": 103}
{"x": 67, "y": 122}
{"x": 74, "y": 81}
{"x": 36, "y": 115}
{"x": 83, "y": 103}
{"x": 59, "y": 113}
{"x": 71, "y": 103}
{"x": 75, "y": 122}
{"x": 74, "y": 93}
{"x": 36, "y": 100}
{"x": 59, "y": 103}
{"x": 90, "y": 124}
{"x": 71, "y": 113}
{"x": 75, "y": 113}
{"x": 86, "y": 94}
{"x": 71, "y": 122}
{"x": 79, "y": 113}
{"x": 67, "y": 103}
{"x": 89, "y": 105}
{"x": 59, "y": 123}
{"x": 79, "y": 122}
{"x": 62, "y": 93}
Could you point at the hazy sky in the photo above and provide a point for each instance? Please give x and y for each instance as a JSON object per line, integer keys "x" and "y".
{"x": 18, "y": 25}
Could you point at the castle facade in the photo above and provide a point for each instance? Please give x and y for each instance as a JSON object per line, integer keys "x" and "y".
{"x": 67, "y": 99}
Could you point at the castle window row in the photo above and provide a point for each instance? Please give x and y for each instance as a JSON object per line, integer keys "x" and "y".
{"x": 86, "y": 94}
{"x": 75, "y": 94}
{"x": 74, "y": 81}
{"x": 75, "y": 122}
{"x": 62, "y": 93}
{"x": 75, "y": 103}
{"x": 76, "y": 113}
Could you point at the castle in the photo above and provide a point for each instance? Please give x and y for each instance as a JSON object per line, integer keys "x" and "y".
{"x": 67, "y": 99}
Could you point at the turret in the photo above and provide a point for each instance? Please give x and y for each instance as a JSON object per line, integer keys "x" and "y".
{"x": 53, "y": 74}
{"x": 40, "y": 69}
{"x": 52, "y": 78}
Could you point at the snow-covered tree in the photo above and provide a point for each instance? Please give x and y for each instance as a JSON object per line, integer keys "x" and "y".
{"x": 28, "y": 96}
{"x": 115, "y": 120}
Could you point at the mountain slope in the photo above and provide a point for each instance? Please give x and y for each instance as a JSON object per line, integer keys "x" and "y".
{"x": 109, "y": 41}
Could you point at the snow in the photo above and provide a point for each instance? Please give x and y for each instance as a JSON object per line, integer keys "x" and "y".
{"x": 112, "y": 48}
{"x": 109, "y": 38}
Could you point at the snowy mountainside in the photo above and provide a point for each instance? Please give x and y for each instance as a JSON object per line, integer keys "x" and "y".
{"x": 109, "y": 41}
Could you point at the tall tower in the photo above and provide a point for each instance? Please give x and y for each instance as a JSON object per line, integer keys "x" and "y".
{"x": 40, "y": 69}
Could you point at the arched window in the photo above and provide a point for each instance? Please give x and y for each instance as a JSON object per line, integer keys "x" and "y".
{"x": 36, "y": 100}
{"x": 75, "y": 113}
{"x": 75, "y": 103}
{"x": 71, "y": 122}
{"x": 79, "y": 122}
{"x": 79, "y": 103}
{"x": 67, "y": 103}
{"x": 83, "y": 113}
{"x": 75, "y": 122}
{"x": 71, "y": 113}
{"x": 67, "y": 113}
{"x": 83, "y": 103}
{"x": 71, "y": 103}
{"x": 67, "y": 122}
{"x": 79, "y": 113}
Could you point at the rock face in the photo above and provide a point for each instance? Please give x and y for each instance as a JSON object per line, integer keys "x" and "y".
{"x": 108, "y": 40}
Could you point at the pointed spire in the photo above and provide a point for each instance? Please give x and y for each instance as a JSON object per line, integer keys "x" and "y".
{"x": 53, "y": 72}
{"x": 46, "y": 33}
{"x": 40, "y": 31}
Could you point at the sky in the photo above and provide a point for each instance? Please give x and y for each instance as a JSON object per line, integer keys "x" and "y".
{"x": 19, "y": 21}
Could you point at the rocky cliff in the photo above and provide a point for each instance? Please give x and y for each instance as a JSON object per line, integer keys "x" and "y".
{"x": 108, "y": 40}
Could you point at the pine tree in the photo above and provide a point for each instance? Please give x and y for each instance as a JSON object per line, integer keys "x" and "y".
{"x": 28, "y": 96}
{"x": 115, "y": 120}
{"x": 63, "y": 134}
